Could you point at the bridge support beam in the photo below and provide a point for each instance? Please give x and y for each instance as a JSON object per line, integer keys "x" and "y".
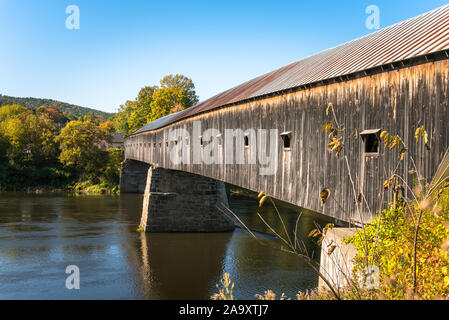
{"x": 177, "y": 201}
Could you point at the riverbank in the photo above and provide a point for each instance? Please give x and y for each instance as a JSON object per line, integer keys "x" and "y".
{"x": 55, "y": 179}
{"x": 78, "y": 188}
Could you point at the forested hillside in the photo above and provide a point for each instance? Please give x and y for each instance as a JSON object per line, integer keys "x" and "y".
{"x": 67, "y": 108}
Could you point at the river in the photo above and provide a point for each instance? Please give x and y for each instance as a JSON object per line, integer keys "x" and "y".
{"x": 40, "y": 235}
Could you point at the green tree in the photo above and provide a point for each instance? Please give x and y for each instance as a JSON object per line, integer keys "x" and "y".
{"x": 141, "y": 109}
{"x": 184, "y": 90}
{"x": 80, "y": 144}
{"x": 111, "y": 172}
{"x": 145, "y": 96}
{"x": 120, "y": 119}
{"x": 31, "y": 139}
{"x": 176, "y": 93}
{"x": 91, "y": 117}
{"x": 4, "y": 145}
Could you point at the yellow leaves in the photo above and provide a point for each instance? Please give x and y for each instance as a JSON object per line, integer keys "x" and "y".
{"x": 324, "y": 195}
{"x": 421, "y": 132}
{"x": 385, "y": 136}
{"x": 225, "y": 292}
{"x": 446, "y": 225}
{"x": 330, "y": 107}
{"x": 392, "y": 183}
{"x": 314, "y": 233}
{"x": 262, "y": 201}
{"x": 394, "y": 246}
{"x": 328, "y": 127}
{"x": 444, "y": 270}
{"x": 387, "y": 184}
{"x": 402, "y": 153}
{"x": 446, "y": 281}
{"x": 442, "y": 189}
{"x": 333, "y": 131}
{"x": 268, "y": 295}
{"x": 334, "y": 144}
{"x": 331, "y": 249}
{"x": 328, "y": 226}
{"x": 392, "y": 142}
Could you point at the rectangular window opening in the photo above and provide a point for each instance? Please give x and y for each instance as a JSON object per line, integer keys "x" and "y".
{"x": 371, "y": 142}
{"x": 286, "y": 139}
{"x": 246, "y": 141}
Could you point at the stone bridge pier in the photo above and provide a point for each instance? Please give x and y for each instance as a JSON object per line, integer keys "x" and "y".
{"x": 133, "y": 177}
{"x": 177, "y": 201}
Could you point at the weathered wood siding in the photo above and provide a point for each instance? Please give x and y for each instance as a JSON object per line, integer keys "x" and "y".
{"x": 398, "y": 101}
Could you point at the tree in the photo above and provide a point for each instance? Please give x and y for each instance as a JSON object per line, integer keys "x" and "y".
{"x": 183, "y": 89}
{"x": 176, "y": 93}
{"x": 31, "y": 139}
{"x": 53, "y": 114}
{"x": 108, "y": 126}
{"x": 145, "y": 96}
{"x": 4, "y": 144}
{"x": 80, "y": 146}
{"x": 111, "y": 171}
{"x": 91, "y": 117}
{"x": 11, "y": 111}
{"x": 120, "y": 119}
{"x": 141, "y": 109}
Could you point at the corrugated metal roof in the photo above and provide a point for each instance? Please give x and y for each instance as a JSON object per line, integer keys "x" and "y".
{"x": 421, "y": 35}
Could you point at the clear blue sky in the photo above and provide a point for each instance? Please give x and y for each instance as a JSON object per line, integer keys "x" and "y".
{"x": 122, "y": 46}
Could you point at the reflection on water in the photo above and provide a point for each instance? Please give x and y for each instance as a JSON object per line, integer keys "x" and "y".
{"x": 41, "y": 235}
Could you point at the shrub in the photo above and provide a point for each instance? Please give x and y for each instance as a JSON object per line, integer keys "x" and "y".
{"x": 391, "y": 247}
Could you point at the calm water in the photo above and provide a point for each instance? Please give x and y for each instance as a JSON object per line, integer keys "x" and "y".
{"x": 40, "y": 235}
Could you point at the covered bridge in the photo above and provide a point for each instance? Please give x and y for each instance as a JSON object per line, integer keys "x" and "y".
{"x": 395, "y": 79}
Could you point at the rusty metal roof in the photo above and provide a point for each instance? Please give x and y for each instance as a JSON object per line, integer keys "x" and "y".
{"x": 418, "y": 36}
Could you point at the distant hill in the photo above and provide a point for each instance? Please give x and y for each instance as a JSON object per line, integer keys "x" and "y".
{"x": 67, "y": 108}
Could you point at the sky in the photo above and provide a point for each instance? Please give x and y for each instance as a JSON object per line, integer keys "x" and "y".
{"x": 122, "y": 46}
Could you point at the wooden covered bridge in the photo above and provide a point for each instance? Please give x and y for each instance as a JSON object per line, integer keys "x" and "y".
{"x": 395, "y": 80}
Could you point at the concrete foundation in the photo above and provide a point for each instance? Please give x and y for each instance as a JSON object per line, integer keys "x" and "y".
{"x": 177, "y": 201}
{"x": 337, "y": 257}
